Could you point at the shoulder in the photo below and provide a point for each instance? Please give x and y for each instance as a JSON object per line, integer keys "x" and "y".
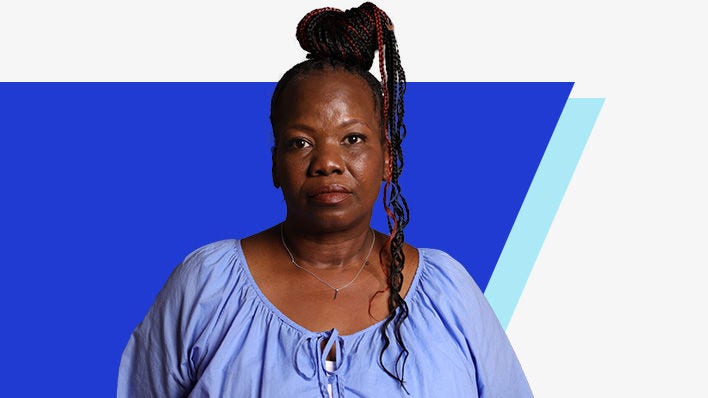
{"x": 441, "y": 260}
{"x": 450, "y": 294}
{"x": 443, "y": 272}
{"x": 159, "y": 359}
{"x": 446, "y": 286}
{"x": 197, "y": 290}
{"x": 212, "y": 257}
{"x": 208, "y": 268}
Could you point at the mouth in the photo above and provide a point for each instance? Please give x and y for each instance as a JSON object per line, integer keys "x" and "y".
{"x": 330, "y": 194}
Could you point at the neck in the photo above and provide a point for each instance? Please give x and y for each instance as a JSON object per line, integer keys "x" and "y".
{"x": 330, "y": 250}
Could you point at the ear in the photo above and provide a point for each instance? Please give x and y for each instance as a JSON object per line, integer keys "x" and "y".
{"x": 276, "y": 183}
{"x": 387, "y": 162}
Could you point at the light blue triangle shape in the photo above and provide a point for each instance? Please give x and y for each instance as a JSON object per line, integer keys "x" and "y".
{"x": 540, "y": 205}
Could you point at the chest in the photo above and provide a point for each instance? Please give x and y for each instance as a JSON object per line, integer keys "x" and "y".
{"x": 267, "y": 358}
{"x": 318, "y": 307}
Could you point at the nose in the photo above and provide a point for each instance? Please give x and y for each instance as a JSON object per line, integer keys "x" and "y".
{"x": 326, "y": 159}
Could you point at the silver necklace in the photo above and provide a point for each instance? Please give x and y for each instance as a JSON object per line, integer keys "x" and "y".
{"x": 336, "y": 289}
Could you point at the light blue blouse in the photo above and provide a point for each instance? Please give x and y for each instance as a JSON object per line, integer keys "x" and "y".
{"x": 212, "y": 333}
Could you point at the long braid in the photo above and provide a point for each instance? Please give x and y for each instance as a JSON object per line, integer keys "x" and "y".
{"x": 393, "y": 83}
{"x": 348, "y": 40}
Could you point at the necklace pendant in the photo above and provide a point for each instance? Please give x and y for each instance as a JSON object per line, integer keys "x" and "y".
{"x": 336, "y": 292}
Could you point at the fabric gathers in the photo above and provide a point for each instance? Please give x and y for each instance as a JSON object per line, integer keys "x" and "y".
{"x": 212, "y": 333}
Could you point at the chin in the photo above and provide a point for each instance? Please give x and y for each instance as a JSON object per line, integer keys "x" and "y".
{"x": 329, "y": 221}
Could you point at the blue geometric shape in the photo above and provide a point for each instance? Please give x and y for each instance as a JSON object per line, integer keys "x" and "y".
{"x": 540, "y": 205}
{"x": 107, "y": 186}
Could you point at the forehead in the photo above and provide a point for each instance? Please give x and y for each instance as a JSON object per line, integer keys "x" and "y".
{"x": 322, "y": 93}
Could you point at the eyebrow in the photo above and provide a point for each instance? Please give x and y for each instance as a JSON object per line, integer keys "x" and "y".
{"x": 298, "y": 126}
{"x": 354, "y": 121}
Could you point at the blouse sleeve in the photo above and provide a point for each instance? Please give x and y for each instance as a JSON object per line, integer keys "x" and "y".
{"x": 497, "y": 368}
{"x": 163, "y": 353}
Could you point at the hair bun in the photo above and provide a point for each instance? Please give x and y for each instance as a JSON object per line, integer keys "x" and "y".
{"x": 349, "y": 36}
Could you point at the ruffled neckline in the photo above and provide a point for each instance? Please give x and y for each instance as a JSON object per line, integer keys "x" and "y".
{"x": 413, "y": 291}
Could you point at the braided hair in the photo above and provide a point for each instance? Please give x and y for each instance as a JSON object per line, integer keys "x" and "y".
{"x": 347, "y": 40}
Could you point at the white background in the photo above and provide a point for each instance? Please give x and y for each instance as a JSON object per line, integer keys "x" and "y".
{"x": 615, "y": 305}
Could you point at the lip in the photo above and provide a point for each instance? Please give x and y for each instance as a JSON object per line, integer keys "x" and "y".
{"x": 330, "y": 194}
{"x": 326, "y": 189}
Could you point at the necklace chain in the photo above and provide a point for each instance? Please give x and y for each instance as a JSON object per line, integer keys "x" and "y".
{"x": 336, "y": 289}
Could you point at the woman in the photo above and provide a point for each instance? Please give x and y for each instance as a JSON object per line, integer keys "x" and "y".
{"x": 321, "y": 304}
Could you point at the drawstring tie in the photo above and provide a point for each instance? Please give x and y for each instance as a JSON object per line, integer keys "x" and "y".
{"x": 310, "y": 361}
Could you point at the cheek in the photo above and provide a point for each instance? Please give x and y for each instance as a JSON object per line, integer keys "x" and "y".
{"x": 368, "y": 168}
{"x": 287, "y": 172}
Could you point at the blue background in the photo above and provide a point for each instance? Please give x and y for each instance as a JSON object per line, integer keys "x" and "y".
{"x": 107, "y": 186}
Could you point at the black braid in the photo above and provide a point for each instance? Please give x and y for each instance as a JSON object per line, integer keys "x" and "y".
{"x": 396, "y": 82}
{"x": 348, "y": 41}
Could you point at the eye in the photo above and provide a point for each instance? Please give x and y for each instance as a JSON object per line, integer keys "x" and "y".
{"x": 298, "y": 143}
{"x": 354, "y": 139}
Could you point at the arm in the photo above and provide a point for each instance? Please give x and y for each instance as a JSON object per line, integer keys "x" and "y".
{"x": 499, "y": 373}
{"x": 163, "y": 354}
{"x": 497, "y": 369}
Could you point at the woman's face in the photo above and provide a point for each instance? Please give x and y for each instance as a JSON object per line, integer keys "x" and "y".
{"x": 329, "y": 154}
